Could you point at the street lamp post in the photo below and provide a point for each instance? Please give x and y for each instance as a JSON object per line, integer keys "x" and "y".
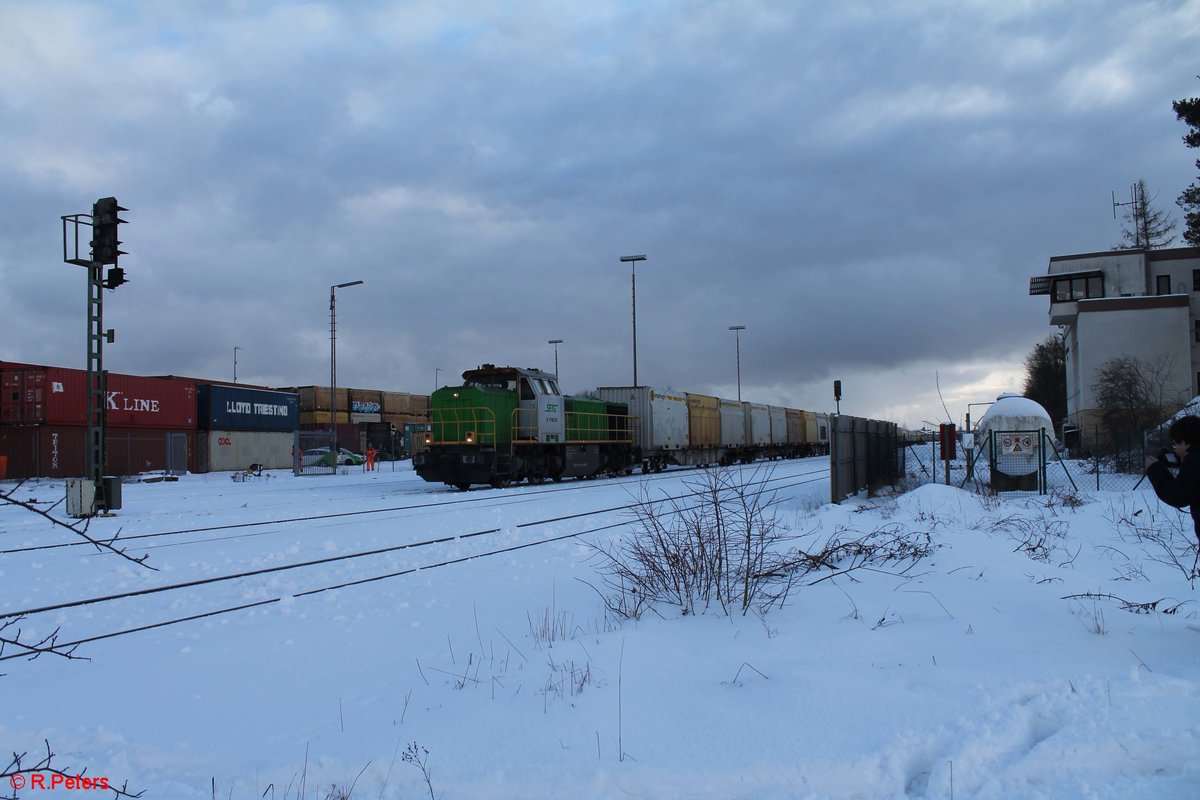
{"x": 333, "y": 366}
{"x": 235, "y": 349}
{"x": 737, "y": 332}
{"x": 556, "y": 343}
{"x": 632, "y": 260}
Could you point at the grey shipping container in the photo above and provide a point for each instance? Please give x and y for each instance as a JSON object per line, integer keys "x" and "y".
{"x": 226, "y": 451}
{"x": 233, "y": 408}
{"x": 758, "y": 424}
{"x": 662, "y": 416}
{"x": 733, "y": 424}
{"x": 778, "y": 424}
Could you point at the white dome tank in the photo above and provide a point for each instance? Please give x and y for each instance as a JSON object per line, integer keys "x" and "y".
{"x": 1015, "y": 455}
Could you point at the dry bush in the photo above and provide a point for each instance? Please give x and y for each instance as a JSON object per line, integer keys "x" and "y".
{"x": 724, "y": 546}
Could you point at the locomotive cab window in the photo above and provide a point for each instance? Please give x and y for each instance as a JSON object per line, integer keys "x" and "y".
{"x": 494, "y": 382}
{"x": 527, "y": 392}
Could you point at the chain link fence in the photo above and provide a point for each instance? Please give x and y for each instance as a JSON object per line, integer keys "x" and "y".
{"x": 1032, "y": 462}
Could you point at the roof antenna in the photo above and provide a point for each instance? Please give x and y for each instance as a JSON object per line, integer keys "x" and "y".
{"x": 1137, "y": 229}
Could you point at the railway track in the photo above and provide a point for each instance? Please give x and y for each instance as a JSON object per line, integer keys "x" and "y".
{"x": 311, "y": 587}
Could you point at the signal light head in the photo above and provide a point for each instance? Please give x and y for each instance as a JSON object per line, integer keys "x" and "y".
{"x": 105, "y": 219}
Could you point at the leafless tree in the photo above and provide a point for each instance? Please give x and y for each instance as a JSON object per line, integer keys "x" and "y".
{"x": 1136, "y": 393}
{"x": 1146, "y": 226}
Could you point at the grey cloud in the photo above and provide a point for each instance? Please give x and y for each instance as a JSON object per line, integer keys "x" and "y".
{"x": 867, "y": 188}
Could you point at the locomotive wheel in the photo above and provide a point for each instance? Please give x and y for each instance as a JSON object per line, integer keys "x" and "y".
{"x": 463, "y": 486}
{"x": 501, "y": 482}
{"x": 536, "y": 478}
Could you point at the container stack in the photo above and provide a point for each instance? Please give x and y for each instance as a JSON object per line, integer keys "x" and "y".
{"x": 241, "y": 427}
{"x": 43, "y": 422}
{"x": 177, "y": 424}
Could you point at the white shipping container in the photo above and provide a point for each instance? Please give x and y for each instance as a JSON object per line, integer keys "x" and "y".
{"x": 662, "y": 416}
{"x": 758, "y": 424}
{"x": 229, "y": 451}
{"x": 778, "y": 416}
{"x": 823, "y": 429}
{"x": 733, "y": 424}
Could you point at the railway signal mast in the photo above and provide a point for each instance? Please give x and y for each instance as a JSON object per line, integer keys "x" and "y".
{"x": 98, "y": 494}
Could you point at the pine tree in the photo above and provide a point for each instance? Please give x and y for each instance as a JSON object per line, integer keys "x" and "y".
{"x": 1046, "y": 376}
{"x": 1188, "y": 111}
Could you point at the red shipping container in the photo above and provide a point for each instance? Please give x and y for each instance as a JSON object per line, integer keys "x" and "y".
{"x": 59, "y": 451}
{"x": 58, "y": 396}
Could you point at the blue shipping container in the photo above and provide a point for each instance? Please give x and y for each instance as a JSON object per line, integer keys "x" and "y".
{"x": 232, "y": 408}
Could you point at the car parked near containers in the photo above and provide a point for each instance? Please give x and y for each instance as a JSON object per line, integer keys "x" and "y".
{"x": 321, "y": 456}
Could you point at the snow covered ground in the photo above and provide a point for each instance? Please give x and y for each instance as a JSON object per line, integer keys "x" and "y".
{"x": 968, "y": 676}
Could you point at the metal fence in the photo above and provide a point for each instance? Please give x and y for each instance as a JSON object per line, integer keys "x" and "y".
{"x": 131, "y": 453}
{"x": 314, "y": 453}
{"x": 1000, "y": 463}
{"x": 864, "y": 454}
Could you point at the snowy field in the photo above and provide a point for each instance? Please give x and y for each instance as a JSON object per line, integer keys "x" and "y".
{"x": 964, "y": 675}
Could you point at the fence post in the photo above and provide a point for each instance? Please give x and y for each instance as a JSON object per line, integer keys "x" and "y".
{"x": 1096, "y": 452}
{"x": 933, "y": 458}
{"x": 1043, "y": 478}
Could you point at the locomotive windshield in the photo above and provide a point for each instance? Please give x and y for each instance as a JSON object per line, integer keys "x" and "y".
{"x": 509, "y": 384}
{"x": 529, "y": 386}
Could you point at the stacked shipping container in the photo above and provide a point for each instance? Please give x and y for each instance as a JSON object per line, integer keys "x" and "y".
{"x": 364, "y": 417}
{"x": 43, "y": 418}
{"x": 240, "y": 427}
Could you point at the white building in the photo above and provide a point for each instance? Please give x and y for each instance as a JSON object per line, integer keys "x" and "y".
{"x": 1139, "y": 303}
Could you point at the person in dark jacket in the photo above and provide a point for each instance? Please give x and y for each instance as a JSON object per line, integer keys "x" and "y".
{"x": 1182, "y": 489}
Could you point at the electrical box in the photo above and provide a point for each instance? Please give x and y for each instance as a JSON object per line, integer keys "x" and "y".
{"x": 948, "y": 439}
{"x": 81, "y": 497}
{"x": 112, "y": 492}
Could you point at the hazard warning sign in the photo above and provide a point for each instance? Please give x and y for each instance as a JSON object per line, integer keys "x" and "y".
{"x": 1016, "y": 443}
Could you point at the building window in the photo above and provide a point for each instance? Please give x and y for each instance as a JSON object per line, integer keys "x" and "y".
{"x": 1080, "y": 288}
{"x": 1196, "y": 327}
{"x": 1196, "y": 280}
{"x": 1162, "y": 284}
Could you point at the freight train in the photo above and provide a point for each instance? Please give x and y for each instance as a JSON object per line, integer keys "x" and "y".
{"x": 506, "y": 424}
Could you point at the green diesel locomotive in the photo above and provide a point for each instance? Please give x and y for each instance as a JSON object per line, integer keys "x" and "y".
{"x": 506, "y": 424}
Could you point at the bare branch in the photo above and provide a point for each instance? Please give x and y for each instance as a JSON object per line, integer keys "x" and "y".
{"x": 17, "y": 773}
{"x": 103, "y": 545}
{"x": 47, "y": 644}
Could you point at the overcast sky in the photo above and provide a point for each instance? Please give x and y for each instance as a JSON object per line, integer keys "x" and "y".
{"x": 867, "y": 187}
